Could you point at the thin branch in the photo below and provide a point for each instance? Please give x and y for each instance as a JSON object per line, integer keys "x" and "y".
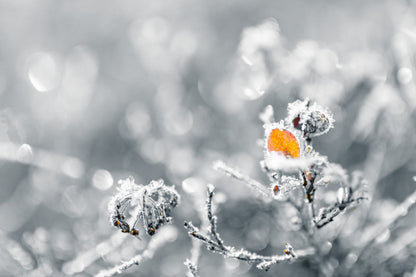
{"x": 327, "y": 215}
{"x": 165, "y": 235}
{"x": 235, "y": 173}
{"x": 198, "y": 196}
{"x": 215, "y": 244}
{"x": 192, "y": 268}
{"x": 212, "y": 218}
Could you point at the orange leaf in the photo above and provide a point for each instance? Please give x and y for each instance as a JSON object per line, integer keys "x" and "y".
{"x": 284, "y": 142}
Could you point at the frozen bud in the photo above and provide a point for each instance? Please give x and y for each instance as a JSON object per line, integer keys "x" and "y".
{"x": 343, "y": 196}
{"x": 316, "y": 124}
{"x": 275, "y": 189}
{"x": 312, "y": 119}
{"x": 289, "y": 250}
{"x": 211, "y": 188}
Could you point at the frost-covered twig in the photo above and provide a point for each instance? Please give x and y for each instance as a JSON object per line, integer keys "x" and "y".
{"x": 164, "y": 236}
{"x": 327, "y": 215}
{"x": 192, "y": 263}
{"x": 197, "y": 193}
{"x": 215, "y": 244}
{"x": 192, "y": 268}
{"x": 235, "y": 173}
{"x": 213, "y": 219}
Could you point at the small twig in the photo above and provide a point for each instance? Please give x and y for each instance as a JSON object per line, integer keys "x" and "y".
{"x": 192, "y": 268}
{"x": 327, "y": 215}
{"x": 198, "y": 196}
{"x": 235, "y": 173}
{"x": 212, "y": 218}
{"x": 215, "y": 244}
{"x": 165, "y": 235}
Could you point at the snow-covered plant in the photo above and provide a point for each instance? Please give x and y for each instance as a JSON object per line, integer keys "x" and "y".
{"x": 151, "y": 204}
{"x": 296, "y": 171}
{"x": 215, "y": 244}
{"x": 291, "y": 162}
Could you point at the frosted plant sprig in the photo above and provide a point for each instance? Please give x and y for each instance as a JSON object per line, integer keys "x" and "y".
{"x": 289, "y": 159}
{"x": 237, "y": 174}
{"x": 291, "y": 163}
{"x": 192, "y": 268}
{"x": 151, "y": 203}
{"x": 198, "y": 197}
{"x": 289, "y": 155}
{"x": 215, "y": 244}
{"x": 312, "y": 119}
{"x": 345, "y": 200}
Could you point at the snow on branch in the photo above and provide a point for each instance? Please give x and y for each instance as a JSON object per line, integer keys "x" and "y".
{"x": 235, "y": 173}
{"x": 215, "y": 244}
{"x": 192, "y": 268}
{"x": 345, "y": 199}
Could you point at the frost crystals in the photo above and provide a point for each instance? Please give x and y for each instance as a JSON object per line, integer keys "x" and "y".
{"x": 152, "y": 204}
{"x": 215, "y": 244}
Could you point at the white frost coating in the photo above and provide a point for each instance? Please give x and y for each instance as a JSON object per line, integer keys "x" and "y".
{"x": 334, "y": 173}
{"x": 235, "y": 173}
{"x": 214, "y": 243}
{"x": 150, "y": 204}
{"x": 276, "y": 161}
{"x": 313, "y": 119}
{"x": 296, "y": 108}
{"x": 211, "y": 188}
{"x": 286, "y": 185}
